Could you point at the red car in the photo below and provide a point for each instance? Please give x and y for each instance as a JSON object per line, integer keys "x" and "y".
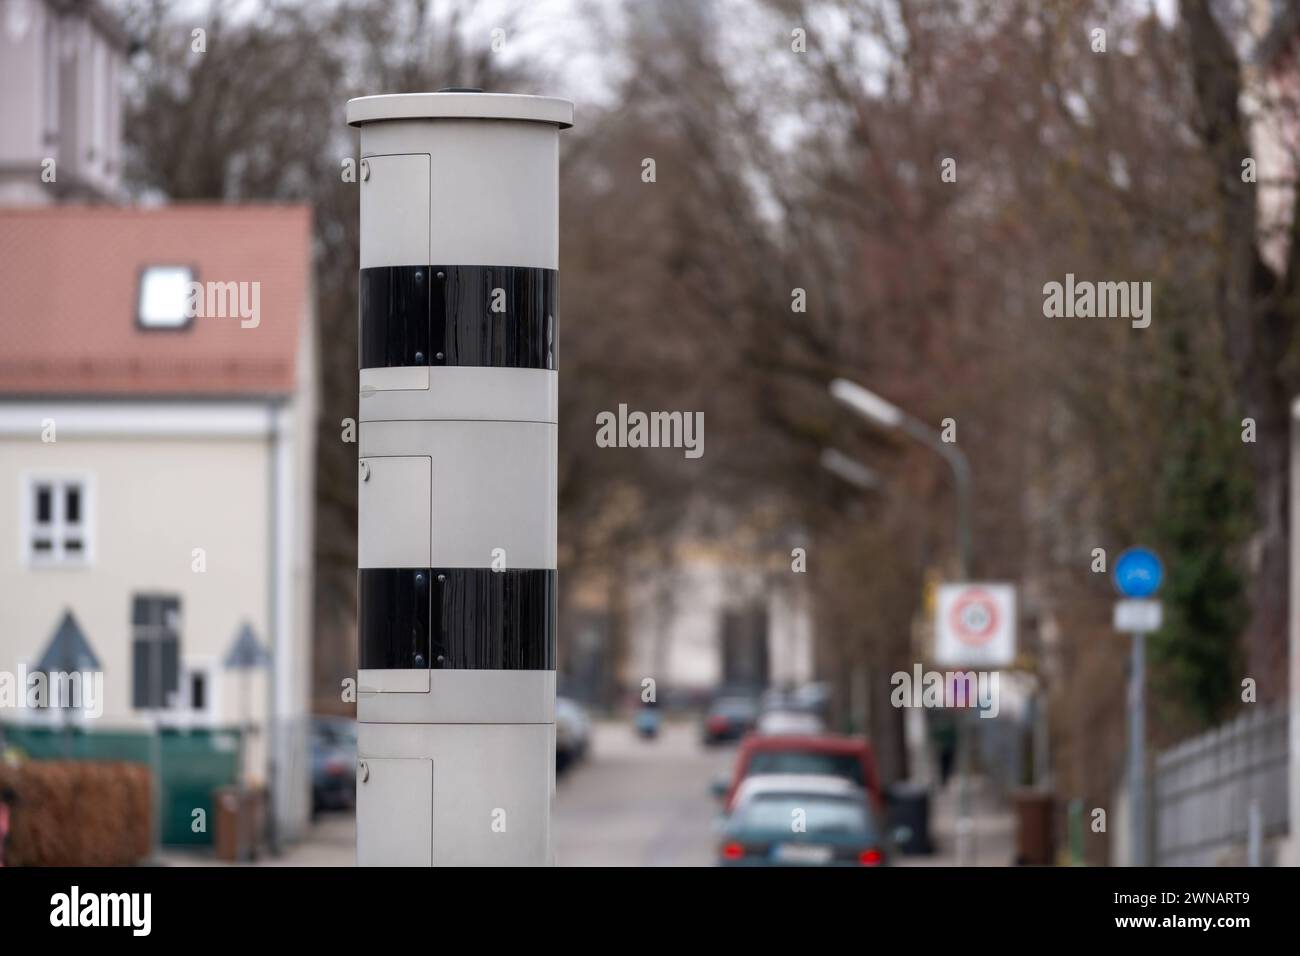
{"x": 827, "y": 754}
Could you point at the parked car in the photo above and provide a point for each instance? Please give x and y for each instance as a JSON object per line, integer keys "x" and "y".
{"x": 572, "y": 733}
{"x": 801, "y": 820}
{"x": 849, "y": 758}
{"x": 647, "y": 722}
{"x": 776, "y": 698}
{"x": 787, "y": 722}
{"x": 729, "y": 717}
{"x": 333, "y": 763}
{"x": 815, "y": 698}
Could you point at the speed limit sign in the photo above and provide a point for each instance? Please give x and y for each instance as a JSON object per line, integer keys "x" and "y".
{"x": 975, "y": 624}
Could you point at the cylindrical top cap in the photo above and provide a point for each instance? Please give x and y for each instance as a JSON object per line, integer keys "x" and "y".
{"x": 499, "y": 106}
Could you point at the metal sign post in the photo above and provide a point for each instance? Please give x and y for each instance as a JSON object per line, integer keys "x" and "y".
{"x": 1138, "y": 575}
{"x": 975, "y": 626}
{"x": 456, "y": 483}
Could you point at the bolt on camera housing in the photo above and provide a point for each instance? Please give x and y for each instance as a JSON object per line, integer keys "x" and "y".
{"x": 456, "y": 546}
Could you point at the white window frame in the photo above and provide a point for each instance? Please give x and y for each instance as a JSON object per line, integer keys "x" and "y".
{"x": 58, "y": 556}
{"x": 210, "y": 669}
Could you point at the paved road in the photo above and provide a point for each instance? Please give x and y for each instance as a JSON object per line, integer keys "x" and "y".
{"x": 640, "y": 803}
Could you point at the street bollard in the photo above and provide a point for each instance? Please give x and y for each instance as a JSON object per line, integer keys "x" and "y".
{"x": 456, "y": 541}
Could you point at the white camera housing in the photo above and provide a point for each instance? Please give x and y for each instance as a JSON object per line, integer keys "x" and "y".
{"x": 457, "y": 477}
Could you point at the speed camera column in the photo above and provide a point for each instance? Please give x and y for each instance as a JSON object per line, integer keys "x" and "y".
{"x": 456, "y": 486}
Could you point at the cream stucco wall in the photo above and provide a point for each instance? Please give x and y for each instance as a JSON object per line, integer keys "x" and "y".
{"x": 156, "y": 499}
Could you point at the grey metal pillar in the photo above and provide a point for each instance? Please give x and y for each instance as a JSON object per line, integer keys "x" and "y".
{"x": 457, "y": 476}
{"x": 1137, "y": 770}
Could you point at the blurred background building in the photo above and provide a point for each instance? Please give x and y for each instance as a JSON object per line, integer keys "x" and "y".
{"x": 60, "y": 78}
{"x": 156, "y": 465}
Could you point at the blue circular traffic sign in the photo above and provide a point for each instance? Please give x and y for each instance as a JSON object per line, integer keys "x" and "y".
{"x": 1138, "y": 573}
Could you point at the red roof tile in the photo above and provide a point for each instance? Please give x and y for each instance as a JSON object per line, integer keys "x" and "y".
{"x": 70, "y": 279}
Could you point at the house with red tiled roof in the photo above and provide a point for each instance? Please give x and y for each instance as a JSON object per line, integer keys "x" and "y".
{"x": 156, "y": 466}
{"x": 158, "y": 379}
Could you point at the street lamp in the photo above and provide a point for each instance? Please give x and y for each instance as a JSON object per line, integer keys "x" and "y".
{"x": 849, "y": 470}
{"x": 875, "y": 409}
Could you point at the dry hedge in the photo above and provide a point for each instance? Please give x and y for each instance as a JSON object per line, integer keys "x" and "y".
{"x": 78, "y": 813}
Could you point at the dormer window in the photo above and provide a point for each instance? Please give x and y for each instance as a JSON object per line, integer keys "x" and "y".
{"x": 164, "y": 297}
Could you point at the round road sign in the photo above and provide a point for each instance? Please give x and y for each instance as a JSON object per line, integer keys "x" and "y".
{"x": 974, "y": 618}
{"x": 1138, "y": 573}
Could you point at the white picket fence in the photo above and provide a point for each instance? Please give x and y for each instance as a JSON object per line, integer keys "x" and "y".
{"x": 1205, "y": 786}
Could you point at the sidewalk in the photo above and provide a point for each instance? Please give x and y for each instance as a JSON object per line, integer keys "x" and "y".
{"x": 329, "y": 841}
{"x": 993, "y": 827}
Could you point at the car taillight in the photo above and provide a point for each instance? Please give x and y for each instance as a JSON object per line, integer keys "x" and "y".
{"x": 733, "y": 851}
{"x": 872, "y": 857}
